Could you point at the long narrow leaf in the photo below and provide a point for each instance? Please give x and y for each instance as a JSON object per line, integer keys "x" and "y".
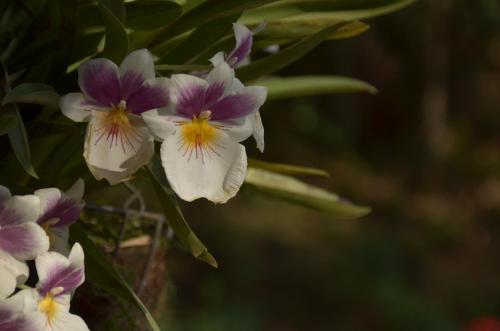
{"x": 151, "y": 14}
{"x": 290, "y": 189}
{"x": 19, "y": 142}
{"x": 33, "y": 93}
{"x": 199, "y": 40}
{"x": 287, "y": 169}
{"x": 340, "y": 9}
{"x": 206, "y": 12}
{"x": 300, "y": 26}
{"x": 7, "y": 123}
{"x": 17, "y": 134}
{"x": 289, "y": 55}
{"x": 292, "y": 87}
{"x": 174, "y": 215}
{"x": 116, "y": 44}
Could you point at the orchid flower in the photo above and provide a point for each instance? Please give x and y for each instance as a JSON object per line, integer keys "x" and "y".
{"x": 21, "y": 239}
{"x": 201, "y": 131}
{"x": 58, "y": 210}
{"x": 117, "y": 142}
{"x": 239, "y": 54}
{"x": 46, "y": 308}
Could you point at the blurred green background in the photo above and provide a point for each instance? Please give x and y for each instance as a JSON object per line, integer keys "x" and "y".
{"x": 424, "y": 153}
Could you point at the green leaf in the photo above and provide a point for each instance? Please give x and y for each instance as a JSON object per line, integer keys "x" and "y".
{"x": 7, "y": 123}
{"x": 116, "y": 7}
{"x": 34, "y": 93}
{"x": 19, "y": 141}
{"x": 287, "y": 169}
{"x": 292, "y": 87}
{"x": 204, "y": 13}
{"x": 17, "y": 134}
{"x": 151, "y": 14}
{"x": 174, "y": 215}
{"x": 339, "y": 9}
{"x": 202, "y": 38}
{"x": 282, "y": 59}
{"x": 100, "y": 271}
{"x": 116, "y": 44}
{"x": 289, "y": 29}
{"x": 293, "y": 190}
{"x": 361, "y": 9}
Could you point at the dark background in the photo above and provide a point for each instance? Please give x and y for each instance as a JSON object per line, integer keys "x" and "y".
{"x": 424, "y": 153}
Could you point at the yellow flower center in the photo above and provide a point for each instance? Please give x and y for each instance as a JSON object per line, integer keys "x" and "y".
{"x": 199, "y": 135}
{"x": 116, "y": 127}
{"x": 48, "y": 224}
{"x": 118, "y": 116}
{"x": 48, "y": 306}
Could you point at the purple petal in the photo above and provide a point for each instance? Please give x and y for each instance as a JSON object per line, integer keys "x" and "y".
{"x": 213, "y": 94}
{"x": 20, "y": 240}
{"x": 244, "y": 41}
{"x": 99, "y": 80}
{"x": 9, "y": 321}
{"x": 8, "y": 217}
{"x": 67, "y": 277}
{"x": 66, "y": 210}
{"x": 130, "y": 82}
{"x": 191, "y": 101}
{"x": 234, "y": 106}
{"x": 151, "y": 95}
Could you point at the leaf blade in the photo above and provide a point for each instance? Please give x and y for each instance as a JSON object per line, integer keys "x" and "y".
{"x": 116, "y": 43}
{"x": 295, "y": 191}
{"x": 7, "y": 123}
{"x": 174, "y": 215}
{"x": 289, "y": 55}
{"x": 287, "y": 168}
{"x": 33, "y": 93}
{"x": 300, "y": 86}
{"x": 151, "y": 14}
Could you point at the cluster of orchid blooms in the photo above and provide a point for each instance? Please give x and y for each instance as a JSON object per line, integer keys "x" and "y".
{"x": 35, "y": 228}
{"x": 200, "y": 119}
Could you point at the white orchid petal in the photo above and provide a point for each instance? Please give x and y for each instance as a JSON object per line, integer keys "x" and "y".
{"x": 47, "y": 262}
{"x": 26, "y": 207}
{"x": 12, "y": 273}
{"x": 140, "y": 61}
{"x": 73, "y": 106}
{"x": 240, "y": 130}
{"x": 59, "y": 237}
{"x": 8, "y": 283}
{"x": 117, "y": 157}
{"x": 24, "y": 241}
{"x": 23, "y": 301}
{"x": 258, "y": 131}
{"x": 76, "y": 191}
{"x": 19, "y": 269}
{"x": 161, "y": 123}
{"x": 216, "y": 176}
{"x": 217, "y": 59}
{"x": 4, "y": 193}
{"x": 221, "y": 75}
{"x": 61, "y": 321}
{"x": 49, "y": 197}
{"x": 76, "y": 256}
